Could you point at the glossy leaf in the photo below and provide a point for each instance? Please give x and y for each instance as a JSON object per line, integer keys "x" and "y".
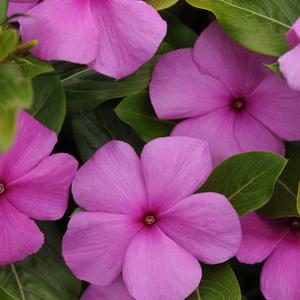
{"x": 284, "y": 201}
{"x": 49, "y": 105}
{"x": 137, "y": 111}
{"x": 161, "y": 4}
{"x": 93, "y": 129}
{"x": 41, "y": 276}
{"x": 247, "y": 179}
{"x": 218, "y": 283}
{"x": 258, "y": 25}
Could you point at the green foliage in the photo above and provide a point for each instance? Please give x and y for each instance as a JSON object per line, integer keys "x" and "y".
{"x": 3, "y": 11}
{"x": 218, "y": 283}
{"x": 43, "y": 275}
{"x": 246, "y": 179}
{"x": 9, "y": 40}
{"x": 5, "y": 296}
{"x": 137, "y": 111}
{"x": 161, "y": 4}
{"x": 258, "y": 25}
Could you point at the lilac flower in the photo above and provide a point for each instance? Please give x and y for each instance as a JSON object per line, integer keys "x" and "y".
{"x": 33, "y": 185}
{"x": 20, "y": 6}
{"x": 277, "y": 241}
{"x": 227, "y": 96}
{"x": 115, "y": 37}
{"x": 141, "y": 219}
{"x": 290, "y": 62}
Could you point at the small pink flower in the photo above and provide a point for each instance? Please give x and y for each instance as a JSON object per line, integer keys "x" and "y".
{"x": 141, "y": 219}
{"x": 20, "y": 6}
{"x": 277, "y": 241}
{"x": 290, "y": 62}
{"x": 33, "y": 185}
{"x": 114, "y": 37}
{"x": 227, "y": 96}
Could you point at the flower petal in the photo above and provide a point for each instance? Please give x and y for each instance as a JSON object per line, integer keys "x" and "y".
{"x": 219, "y": 55}
{"x": 131, "y": 32}
{"x": 173, "y": 168}
{"x": 217, "y": 128}
{"x": 260, "y": 236}
{"x": 114, "y": 291}
{"x": 289, "y": 65}
{"x": 293, "y": 35}
{"x": 95, "y": 243}
{"x": 281, "y": 272}
{"x": 20, "y": 236}
{"x": 43, "y": 193}
{"x": 156, "y": 268}
{"x": 65, "y": 30}
{"x": 20, "y": 7}
{"x": 34, "y": 141}
{"x": 254, "y": 136}
{"x": 111, "y": 181}
{"x": 206, "y": 225}
{"x": 178, "y": 89}
{"x": 277, "y": 106}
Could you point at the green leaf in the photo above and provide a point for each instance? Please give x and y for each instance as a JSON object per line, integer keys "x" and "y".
{"x": 8, "y": 42}
{"x": 43, "y": 275}
{"x": 179, "y": 35}
{"x": 86, "y": 88}
{"x": 16, "y": 93}
{"x": 274, "y": 68}
{"x": 33, "y": 66}
{"x": 49, "y": 105}
{"x": 95, "y": 128}
{"x": 5, "y": 296}
{"x": 284, "y": 202}
{"x": 137, "y": 111}
{"x": 246, "y": 179}
{"x": 218, "y": 283}
{"x": 3, "y": 10}
{"x": 258, "y": 25}
{"x": 161, "y": 4}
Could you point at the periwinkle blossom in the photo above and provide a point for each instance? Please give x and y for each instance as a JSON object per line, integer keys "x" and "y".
{"x": 141, "y": 218}
{"x": 289, "y": 63}
{"x": 20, "y": 6}
{"x": 34, "y": 185}
{"x": 114, "y": 37}
{"x": 227, "y": 96}
{"x": 278, "y": 242}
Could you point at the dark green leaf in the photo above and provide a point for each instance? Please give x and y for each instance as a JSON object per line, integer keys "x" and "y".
{"x": 284, "y": 200}
{"x": 95, "y": 128}
{"x": 161, "y": 4}
{"x": 218, "y": 283}
{"x": 137, "y": 111}
{"x": 258, "y": 25}
{"x": 43, "y": 275}
{"x": 49, "y": 105}
{"x": 5, "y": 296}
{"x": 246, "y": 179}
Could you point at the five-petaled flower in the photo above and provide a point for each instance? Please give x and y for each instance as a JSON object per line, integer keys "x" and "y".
{"x": 229, "y": 98}
{"x": 114, "y": 37}
{"x": 277, "y": 241}
{"x": 141, "y": 218}
{"x": 33, "y": 185}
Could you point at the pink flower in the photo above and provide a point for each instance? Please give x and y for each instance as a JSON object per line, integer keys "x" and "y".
{"x": 290, "y": 62}
{"x": 114, "y": 37}
{"x": 227, "y": 96}
{"x": 277, "y": 241}
{"x": 114, "y": 291}
{"x": 20, "y": 6}
{"x": 33, "y": 185}
{"x": 141, "y": 219}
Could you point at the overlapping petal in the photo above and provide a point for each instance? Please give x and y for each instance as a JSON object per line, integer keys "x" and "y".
{"x": 43, "y": 192}
{"x": 293, "y": 35}
{"x": 20, "y": 7}
{"x": 206, "y": 225}
{"x": 260, "y": 237}
{"x": 111, "y": 181}
{"x": 178, "y": 88}
{"x": 173, "y": 168}
{"x": 156, "y": 268}
{"x": 95, "y": 244}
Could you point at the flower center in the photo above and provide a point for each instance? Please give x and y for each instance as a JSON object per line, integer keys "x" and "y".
{"x": 238, "y": 104}
{"x": 295, "y": 224}
{"x": 2, "y": 188}
{"x": 149, "y": 219}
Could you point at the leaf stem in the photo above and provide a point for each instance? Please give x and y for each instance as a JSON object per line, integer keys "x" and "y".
{"x": 18, "y": 281}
